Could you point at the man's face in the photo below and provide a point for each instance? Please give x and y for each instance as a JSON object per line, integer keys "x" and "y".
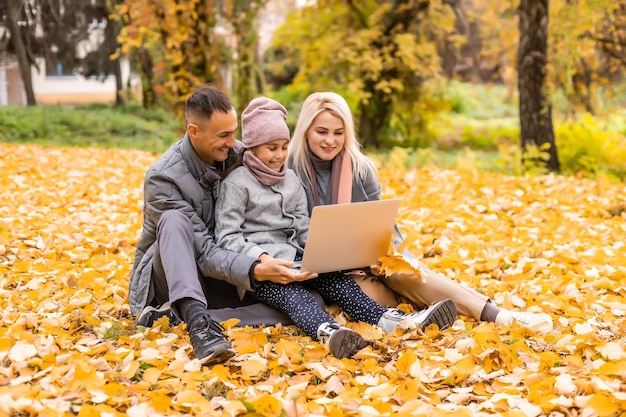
{"x": 212, "y": 138}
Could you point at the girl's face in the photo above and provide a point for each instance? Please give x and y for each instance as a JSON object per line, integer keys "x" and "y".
{"x": 273, "y": 154}
{"x": 326, "y": 136}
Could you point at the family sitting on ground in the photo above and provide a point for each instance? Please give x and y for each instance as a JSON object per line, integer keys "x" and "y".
{"x": 225, "y": 220}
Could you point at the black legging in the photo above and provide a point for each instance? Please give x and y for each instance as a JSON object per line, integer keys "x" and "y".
{"x": 297, "y": 302}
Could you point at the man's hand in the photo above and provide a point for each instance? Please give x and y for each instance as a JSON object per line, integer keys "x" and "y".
{"x": 278, "y": 270}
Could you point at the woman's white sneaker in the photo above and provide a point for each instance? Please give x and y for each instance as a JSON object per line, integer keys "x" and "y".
{"x": 539, "y": 322}
{"x": 443, "y": 314}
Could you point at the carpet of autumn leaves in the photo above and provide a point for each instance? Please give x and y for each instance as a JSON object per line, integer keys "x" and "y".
{"x": 69, "y": 220}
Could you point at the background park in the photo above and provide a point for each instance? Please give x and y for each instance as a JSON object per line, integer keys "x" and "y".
{"x": 500, "y": 125}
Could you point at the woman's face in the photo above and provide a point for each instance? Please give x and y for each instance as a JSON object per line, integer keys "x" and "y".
{"x": 326, "y": 136}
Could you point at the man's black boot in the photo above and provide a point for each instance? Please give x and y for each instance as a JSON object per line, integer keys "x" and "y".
{"x": 210, "y": 344}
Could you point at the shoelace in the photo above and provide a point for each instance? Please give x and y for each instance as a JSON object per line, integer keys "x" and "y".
{"x": 216, "y": 329}
{"x": 330, "y": 327}
{"x": 326, "y": 330}
{"x": 398, "y": 314}
{"x": 525, "y": 320}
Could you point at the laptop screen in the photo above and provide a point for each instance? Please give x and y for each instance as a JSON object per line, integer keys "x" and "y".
{"x": 348, "y": 236}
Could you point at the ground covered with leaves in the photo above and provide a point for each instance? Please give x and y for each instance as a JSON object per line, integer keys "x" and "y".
{"x": 69, "y": 221}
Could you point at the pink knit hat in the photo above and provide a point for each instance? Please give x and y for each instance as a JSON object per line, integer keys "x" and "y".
{"x": 264, "y": 120}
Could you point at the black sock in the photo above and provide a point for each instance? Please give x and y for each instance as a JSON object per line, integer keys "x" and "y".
{"x": 489, "y": 313}
{"x": 193, "y": 312}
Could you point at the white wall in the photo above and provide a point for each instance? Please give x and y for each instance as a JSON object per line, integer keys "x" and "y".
{"x": 77, "y": 89}
{"x": 11, "y": 88}
{"x": 4, "y": 96}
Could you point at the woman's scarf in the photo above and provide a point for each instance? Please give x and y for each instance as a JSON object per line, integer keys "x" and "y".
{"x": 340, "y": 180}
{"x": 262, "y": 172}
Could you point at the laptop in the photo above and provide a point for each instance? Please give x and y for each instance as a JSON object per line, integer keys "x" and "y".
{"x": 348, "y": 236}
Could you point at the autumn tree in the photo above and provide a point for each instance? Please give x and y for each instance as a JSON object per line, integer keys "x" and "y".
{"x": 137, "y": 43}
{"x": 584, "y": 52}
{"x": 179, "y": 45}
{"x": 490, "y": 52}
{"x": 242, "y": 16}
{"x": 110, "y": 48}
{"x": 379, "y": 53}
{"x": 534, "y": 104}
{"x": 19, "y": 19}
{"x": 610, "y": 36}
{"x": 585, "y": 45}
{"x": 579, "y": 62}
{"x": 101, "y": 59}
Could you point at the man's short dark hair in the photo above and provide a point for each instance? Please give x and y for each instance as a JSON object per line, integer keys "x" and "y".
{"x": 206, "y": 100}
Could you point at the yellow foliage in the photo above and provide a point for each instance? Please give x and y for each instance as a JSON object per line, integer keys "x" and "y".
{"x": 69, "y": 223}
{"x": 396, "y": 263}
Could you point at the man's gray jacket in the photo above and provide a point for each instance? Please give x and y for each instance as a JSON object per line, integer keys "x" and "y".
{"x": 180, "y": 180}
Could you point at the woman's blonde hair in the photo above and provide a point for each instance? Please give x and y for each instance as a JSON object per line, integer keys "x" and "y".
{"x": 316, "y": 103}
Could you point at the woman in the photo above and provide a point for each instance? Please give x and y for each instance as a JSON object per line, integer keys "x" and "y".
{"x": 326, "y": 155}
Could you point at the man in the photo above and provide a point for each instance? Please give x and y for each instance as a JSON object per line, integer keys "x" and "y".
{"x": 178, "y": 269}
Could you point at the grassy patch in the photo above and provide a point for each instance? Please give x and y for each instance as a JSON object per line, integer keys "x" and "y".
{"x": 86, "y": 126}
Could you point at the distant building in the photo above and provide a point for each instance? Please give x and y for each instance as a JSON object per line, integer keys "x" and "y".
{"x": 55, "y": 89}
{"x": 57, "y": 85}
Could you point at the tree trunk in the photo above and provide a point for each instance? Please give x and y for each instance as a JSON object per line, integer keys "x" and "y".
{"x": 535, "y": 111}
{"x": 12, "y": 17}
{"x": 245, "y": 77}
{"x": 111, "y": 33}
{"x": 373, "y": 116}
{"x": 374, "y": 113}
{"x": 119, "y": 85}
{"x": 243, "y": 16}
{"x": 147, "y": 83}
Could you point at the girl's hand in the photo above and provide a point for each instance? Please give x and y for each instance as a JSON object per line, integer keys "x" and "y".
{"x": 279, "y": 271}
